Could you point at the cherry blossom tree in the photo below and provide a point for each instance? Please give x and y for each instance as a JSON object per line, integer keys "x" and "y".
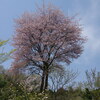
{"x": 44, "y": 38}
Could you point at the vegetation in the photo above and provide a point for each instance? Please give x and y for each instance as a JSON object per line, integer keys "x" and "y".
{"x": 3, "y": 56}
{"x": 44, "y": 42}
{"x": 12, "y": 88}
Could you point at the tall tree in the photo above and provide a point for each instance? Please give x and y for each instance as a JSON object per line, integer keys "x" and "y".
{"x": 61, "y": 78}
{"x": 93, "y": 79}
{"x": 46, "y": 37}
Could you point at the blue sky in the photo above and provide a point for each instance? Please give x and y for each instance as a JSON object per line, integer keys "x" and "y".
{"x": 87, "y": 10}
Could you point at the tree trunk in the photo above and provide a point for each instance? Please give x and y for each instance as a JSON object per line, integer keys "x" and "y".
{"x": 46, "y": 81}
{"x": 42, "y": 82}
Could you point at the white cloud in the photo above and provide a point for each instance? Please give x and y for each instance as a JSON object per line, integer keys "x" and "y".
{"x": 91, "y": 28}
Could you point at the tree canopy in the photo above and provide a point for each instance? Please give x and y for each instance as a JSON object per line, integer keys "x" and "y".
{"x": 45, "y": 38}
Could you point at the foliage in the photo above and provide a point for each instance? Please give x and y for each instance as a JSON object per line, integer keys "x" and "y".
{"x": 87, "y": 94}
{"x": 4, "y": 56}
{"x": 93, "y": 79}
{"x": 91, "y": 94}
{"x": 10, "y": 89}
{"x": 31, "y": 82}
